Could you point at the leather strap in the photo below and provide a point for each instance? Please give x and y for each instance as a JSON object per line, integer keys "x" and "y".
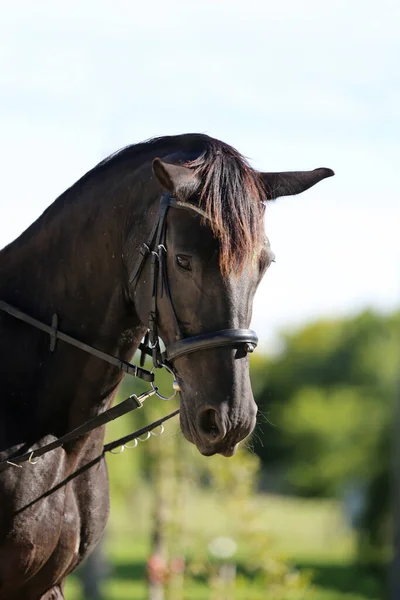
{"x": 136, "y": 435}
{"x": 216, "y": 339}
{"x": 55, "y": 333}
{"x": 128, "y": 405}
{"x": 187, "y": 206}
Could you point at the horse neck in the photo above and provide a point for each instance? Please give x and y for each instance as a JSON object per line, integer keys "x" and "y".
{"x": 71, "y": 263}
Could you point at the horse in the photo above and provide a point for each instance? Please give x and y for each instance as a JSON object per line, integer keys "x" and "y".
{"x": 164, "y": 237}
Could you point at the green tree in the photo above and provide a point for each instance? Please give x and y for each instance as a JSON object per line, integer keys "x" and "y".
{"x": 327, "y": 402}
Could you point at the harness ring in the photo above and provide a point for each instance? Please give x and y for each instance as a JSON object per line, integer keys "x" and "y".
{"x": 135, "y": 443}
{"x": 30, "y": 459}
{"x": 155, "y": 388}
{"x": 155, "y": 434}
{"x": 120, "y": 451}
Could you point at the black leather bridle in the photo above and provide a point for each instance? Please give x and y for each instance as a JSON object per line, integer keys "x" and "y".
{"x": 243, "y": 339}
{"x": 155, "y": 248}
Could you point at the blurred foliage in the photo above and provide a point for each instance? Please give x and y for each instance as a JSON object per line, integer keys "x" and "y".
{"x": 263, "y": 569}
{"x": 329, "y": 395}
{"x": 332, "y": 432}
{"x": 329, "y": 400}
{"x": 309, "y": 533}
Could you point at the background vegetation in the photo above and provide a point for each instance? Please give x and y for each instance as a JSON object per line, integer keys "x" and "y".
{"x": 302, "y": 512}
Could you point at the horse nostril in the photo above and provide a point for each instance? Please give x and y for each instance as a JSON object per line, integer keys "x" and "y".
{"x": 210, "y": 424}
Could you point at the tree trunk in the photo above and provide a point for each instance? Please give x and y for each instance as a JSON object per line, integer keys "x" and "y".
{"x": 157, "y": 566}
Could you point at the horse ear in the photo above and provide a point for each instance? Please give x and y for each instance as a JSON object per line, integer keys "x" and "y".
{"x": 292, "y": 182}
{"x": 174, "y": 178}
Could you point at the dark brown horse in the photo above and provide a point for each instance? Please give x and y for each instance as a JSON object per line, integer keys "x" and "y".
{"x": 76, "y": 261}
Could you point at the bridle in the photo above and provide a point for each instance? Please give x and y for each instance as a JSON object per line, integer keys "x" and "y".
{"x": 156, "y": 249}
{"x": 245, "y": 340}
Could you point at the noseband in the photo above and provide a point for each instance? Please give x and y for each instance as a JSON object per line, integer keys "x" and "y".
{"x": 245, "y": 340}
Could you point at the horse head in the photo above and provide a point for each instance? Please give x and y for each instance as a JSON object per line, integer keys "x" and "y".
{"x": 213, "y": 263}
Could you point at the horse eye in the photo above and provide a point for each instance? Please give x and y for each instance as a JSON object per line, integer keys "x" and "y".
{"x": 183, "y": 262}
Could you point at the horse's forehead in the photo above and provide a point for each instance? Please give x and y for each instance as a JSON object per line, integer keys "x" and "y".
{"x": 189, "y": 228}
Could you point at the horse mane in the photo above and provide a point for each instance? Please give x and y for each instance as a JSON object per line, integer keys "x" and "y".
{"x": 230, "y": 191}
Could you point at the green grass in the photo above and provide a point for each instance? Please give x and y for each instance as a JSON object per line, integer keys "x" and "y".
{"x": 310, "y": 534}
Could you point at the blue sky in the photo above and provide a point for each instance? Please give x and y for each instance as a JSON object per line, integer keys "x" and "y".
{"x": 293, "y": 85}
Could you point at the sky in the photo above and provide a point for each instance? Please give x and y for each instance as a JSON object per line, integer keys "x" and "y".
{"x": 292, "y": 85}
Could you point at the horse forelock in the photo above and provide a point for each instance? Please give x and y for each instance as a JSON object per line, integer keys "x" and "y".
{"x": 232, "y": 193}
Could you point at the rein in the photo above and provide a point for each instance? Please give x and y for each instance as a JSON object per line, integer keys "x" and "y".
{"x": 243, "y": 339}
{"x": 128, "y": 405}
{"x": 122, "y": 443}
